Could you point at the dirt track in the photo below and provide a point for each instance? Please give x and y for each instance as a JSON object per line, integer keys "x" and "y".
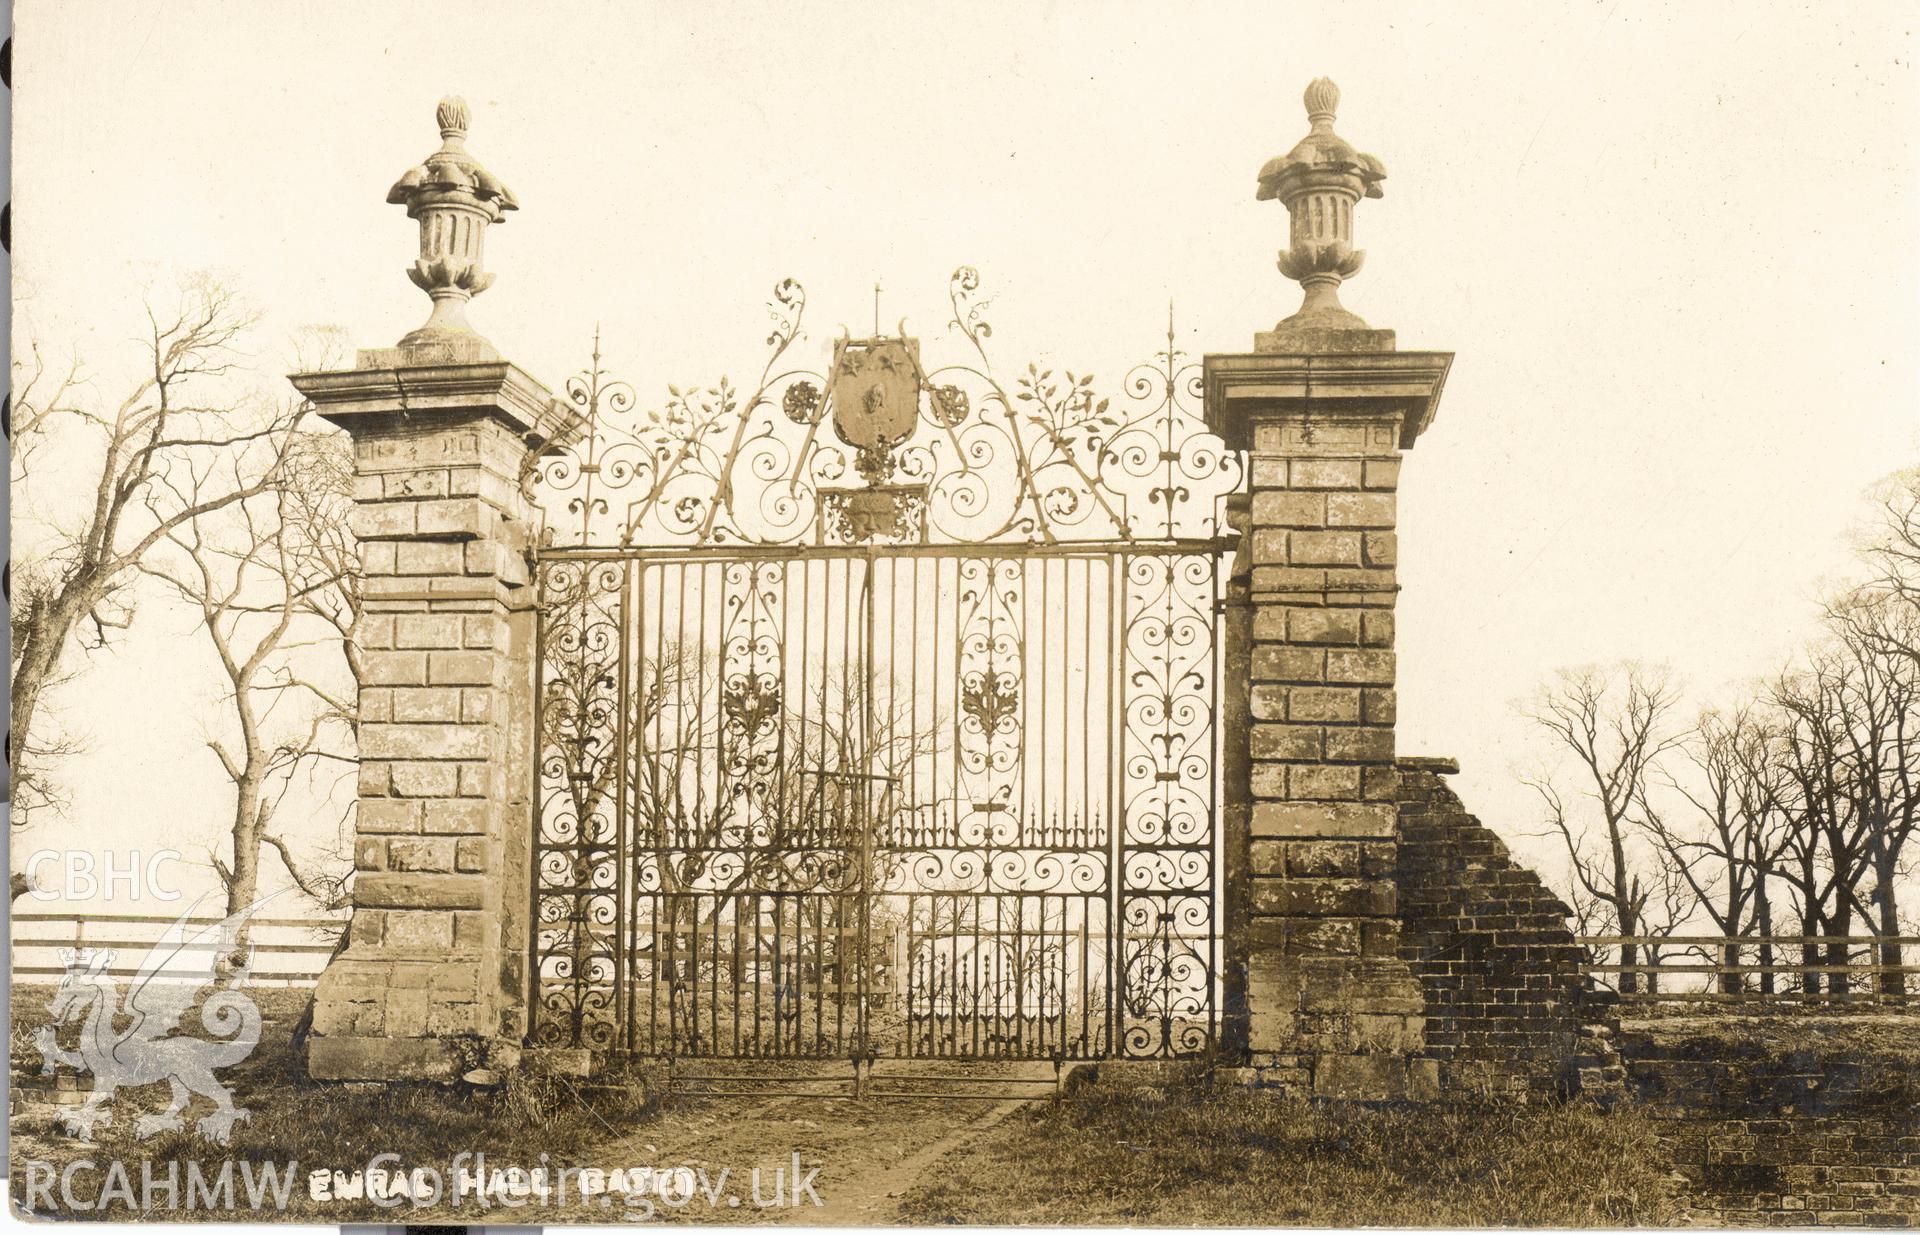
{"x": 867, "y": 1153}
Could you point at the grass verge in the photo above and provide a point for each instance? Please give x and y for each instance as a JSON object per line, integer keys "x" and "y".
{"x": 1116, "y": 1153}
{"x": 301, "y": 1126}
{"x": 1233, "y": 1158}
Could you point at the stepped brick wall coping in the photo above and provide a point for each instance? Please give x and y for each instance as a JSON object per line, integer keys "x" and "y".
{"x": 1509, "y": 1006}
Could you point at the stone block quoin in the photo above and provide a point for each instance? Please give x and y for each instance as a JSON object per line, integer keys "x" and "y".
{"x": 1330, "y": 1007}
{"x": 433, "y": 979}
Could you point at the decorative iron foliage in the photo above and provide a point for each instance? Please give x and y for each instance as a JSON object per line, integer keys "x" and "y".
{"x": 1048, "y": 459}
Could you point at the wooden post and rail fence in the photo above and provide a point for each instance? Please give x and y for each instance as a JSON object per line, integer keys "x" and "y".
{"x": 286, "y": 951}
{"x": 1853, "y": 972}
{"x": 1813, "y": 971}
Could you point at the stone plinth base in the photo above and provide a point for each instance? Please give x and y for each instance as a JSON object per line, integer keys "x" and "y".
{"x": 1340, "y": 1078}
{"x": 573, "y": 1061}
{"x": 392, "y": 1019}
{"x": 386, "y": 1060}
{"x": 1320, "y": 340}
{"x": 1346, "y": 1027}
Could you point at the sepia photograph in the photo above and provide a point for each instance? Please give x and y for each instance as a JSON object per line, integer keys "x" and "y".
{"x": 1264, "y": 615}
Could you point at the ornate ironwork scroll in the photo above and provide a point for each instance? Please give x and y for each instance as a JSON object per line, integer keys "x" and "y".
{"x": 991, "y": 661}
{"x": 1167, "y": 851}
{"x": 877, "y": 710}
{"x": 577, "y": 862}
{"x": 878, "y": 449}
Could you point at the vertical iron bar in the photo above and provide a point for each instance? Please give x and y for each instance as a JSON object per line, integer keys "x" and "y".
{"x": 622, "y": 919}
{"x": 864, "y": 910}
{"x": 720, "y": 902}
{"x": 536, "y": 985}
{"x": 1086, "y": 1004}
{"x": 657, "y": 839}
{"x": 912, "y": 804}
{"x": 1089, "y": 830}
{"x": 1116, "y": 842}
{"x": 735, "y": 980}
{"x": 672, "y": 900}
{"x": 1214, "y": 596}
{"x": 903, "y": 976}
{"x": 693, "y": 967}
{"x": 793, "y": 820}
{"x": 1020, "y": 974}
{"x": 653, "y": 973}
{"x": 936, "y": 829}
{"x": 1044, "y": 772}
{"x": 974, "y": 1019}
{"x": 759, "y": 965}
{"x": 675, "y": 823}
{"x": 780, "y": 996}
{"x": 1085, "y": 661}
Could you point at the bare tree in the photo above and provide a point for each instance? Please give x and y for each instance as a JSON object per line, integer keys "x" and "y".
{"x": 1811, "y": 790}
{"x": 177, "y": 413}
{"x": 1831, "y": 710}
{"x": 1617, "y": 733}
{"x": 1728, "y": 840}
{"x": 1874, "y": 676}
{"x": 244, "y": 571}
{"x": 1892, "y": 553}
{"x": 322, "y": 572}
{"x": 37, "y": 790}
{"x": 1884, "y": 615}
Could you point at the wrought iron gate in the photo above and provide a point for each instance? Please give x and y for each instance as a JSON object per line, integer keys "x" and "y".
{"x": 898, "y": 744}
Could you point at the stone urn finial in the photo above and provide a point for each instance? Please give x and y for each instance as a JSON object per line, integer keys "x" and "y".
{"x": 1319, "y": 181}
{"x": 455, "y": 199}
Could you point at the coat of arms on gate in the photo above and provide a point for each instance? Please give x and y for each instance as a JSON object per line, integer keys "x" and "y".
{"x": 874, "y": 388}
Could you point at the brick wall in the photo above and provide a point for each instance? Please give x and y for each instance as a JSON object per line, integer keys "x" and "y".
{"x": 1757, "y": 1137}
{"x": 1794, "y": 1139}
{"x": 1509, "y": 1008}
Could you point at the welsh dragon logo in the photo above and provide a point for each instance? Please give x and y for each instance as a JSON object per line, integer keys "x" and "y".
{"x": 133, "y": 1043}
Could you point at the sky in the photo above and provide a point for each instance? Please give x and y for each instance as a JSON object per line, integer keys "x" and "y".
{"x": 1672, "y": 247}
